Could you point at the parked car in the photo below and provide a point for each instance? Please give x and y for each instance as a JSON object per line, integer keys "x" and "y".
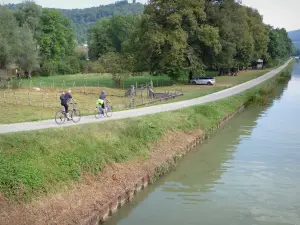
{"x": 203, "y": 80}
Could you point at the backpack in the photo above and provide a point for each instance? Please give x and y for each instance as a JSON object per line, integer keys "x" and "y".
{"x": 62, "y": 97}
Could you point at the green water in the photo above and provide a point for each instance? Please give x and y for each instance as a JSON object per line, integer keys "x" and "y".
{"x": 248, "y": 173}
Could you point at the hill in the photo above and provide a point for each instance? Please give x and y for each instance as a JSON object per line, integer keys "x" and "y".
{"x": 82, "y": 19}
{"x": 295, "y": 37}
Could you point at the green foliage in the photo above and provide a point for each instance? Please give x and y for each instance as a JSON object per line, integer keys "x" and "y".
{"x": 176, "y": 39}
{"x": 83, "y": 19}
{"x": 111, "y": 35}
{"x": 8, "y": 37}
{"x": 115, "y": 63}
{"x": 279, "y": 46}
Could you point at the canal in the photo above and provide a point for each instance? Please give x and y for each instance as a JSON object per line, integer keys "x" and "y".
{"x": 248, "y": 173}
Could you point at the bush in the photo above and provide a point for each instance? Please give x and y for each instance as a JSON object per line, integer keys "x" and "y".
{"x": 48, "y": 68}
{"x": 95, "y": 67}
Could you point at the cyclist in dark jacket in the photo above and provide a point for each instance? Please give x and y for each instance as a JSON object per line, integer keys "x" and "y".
{"x": 64, "y": 98}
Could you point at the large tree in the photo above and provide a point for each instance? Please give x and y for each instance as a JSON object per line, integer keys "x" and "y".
{"x": 111, "y": 35}
{"x": 56, "y": 40}
{"x": 8, "y": 37}
{"x": 176, "y": 37}
{"x": 27, "y": 54}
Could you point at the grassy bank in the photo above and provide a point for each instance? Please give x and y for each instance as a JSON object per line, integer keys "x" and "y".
{"x": 41, "y": 162}
{"x": 45, "y": 103}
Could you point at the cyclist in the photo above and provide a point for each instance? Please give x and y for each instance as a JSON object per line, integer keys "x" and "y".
{"x": 101, "y": 100}
{"x": 64, "y": 102}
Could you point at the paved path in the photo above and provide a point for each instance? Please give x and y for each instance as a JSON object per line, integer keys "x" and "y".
{"x": 27, "y": 126}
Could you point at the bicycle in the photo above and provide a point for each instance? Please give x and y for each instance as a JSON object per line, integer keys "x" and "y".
{"x": 99, "y": 111}
{"x": 61, "y": 116}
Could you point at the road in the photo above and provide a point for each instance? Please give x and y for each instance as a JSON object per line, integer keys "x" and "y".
{"x": 46, "y": 124}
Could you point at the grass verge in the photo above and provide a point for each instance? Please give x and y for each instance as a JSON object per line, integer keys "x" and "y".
{"x": 41, "y": 162}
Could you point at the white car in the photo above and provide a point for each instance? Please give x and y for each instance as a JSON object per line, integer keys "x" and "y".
{"x": 203, "y": 80}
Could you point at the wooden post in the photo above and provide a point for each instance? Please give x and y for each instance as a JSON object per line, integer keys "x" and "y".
{"x": 4, "y": 97}
{"x": 84, "y": 89}
{"x": 29, "y": 102}
{"x": 16, "y": 98}
{"x": 53, "y": 84}
{"x": 142, "y": 96}
{"x": 43, "y": 99}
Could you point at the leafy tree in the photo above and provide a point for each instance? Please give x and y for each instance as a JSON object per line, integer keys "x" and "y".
{"x": 280, "y": 46}
{"x": 27, "y": 54}
{"x": 110, "y": 35}
{"x": 116, "y": 64}
{"x": 56, "y": 40}
{"x": 8, "y": 37}
{"x": 29, "y": 14}
{"x": 175, "y": 36}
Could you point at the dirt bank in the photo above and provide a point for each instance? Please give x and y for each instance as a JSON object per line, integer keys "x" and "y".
{"x": 95, "y": 191}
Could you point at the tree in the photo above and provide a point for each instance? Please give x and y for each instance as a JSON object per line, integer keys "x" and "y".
{"x": 56, "y": 40}
{"x": 27, "y": 55}
{"x": 8, "y": 37}
{"x": 280, "y": 45}
{"x": 110, "y": 35}
{"x": 259, "y": 33}
{"x": 116, "y": 64}
{"x": 29, "y": 14}
{"x": 175, "y": 36}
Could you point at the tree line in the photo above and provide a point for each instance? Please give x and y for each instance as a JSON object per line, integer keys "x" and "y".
{"x": 83, "y": 19}
{"x": 38, "y": 40}
{"x": 176, "y": 38}
{"x": 173, "y": 37}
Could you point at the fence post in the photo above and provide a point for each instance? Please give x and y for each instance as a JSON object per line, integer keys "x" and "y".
{"x": 16, "y": 98}
{"x": 4, "y": 97}
{"x": 142, "y": 96}
{"x": 29, "y": 102}
{"x": 43, "y": 99}
{"x": 84, "y": 89}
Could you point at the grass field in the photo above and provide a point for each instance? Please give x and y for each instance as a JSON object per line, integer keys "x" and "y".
{"x": 42, "y": 162}
{"x": 25, "y": 105}
{"x": 93, "y": 80}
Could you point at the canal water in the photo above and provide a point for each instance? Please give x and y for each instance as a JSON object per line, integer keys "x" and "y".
{"x": 248, "y": 173}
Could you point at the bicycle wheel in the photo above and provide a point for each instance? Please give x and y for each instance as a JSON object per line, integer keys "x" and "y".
{"x": 60, "y": 117}
{"x": 75, "y": 115}
{"x": 98, "y": 114}
{"x": 108, "y": 111}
